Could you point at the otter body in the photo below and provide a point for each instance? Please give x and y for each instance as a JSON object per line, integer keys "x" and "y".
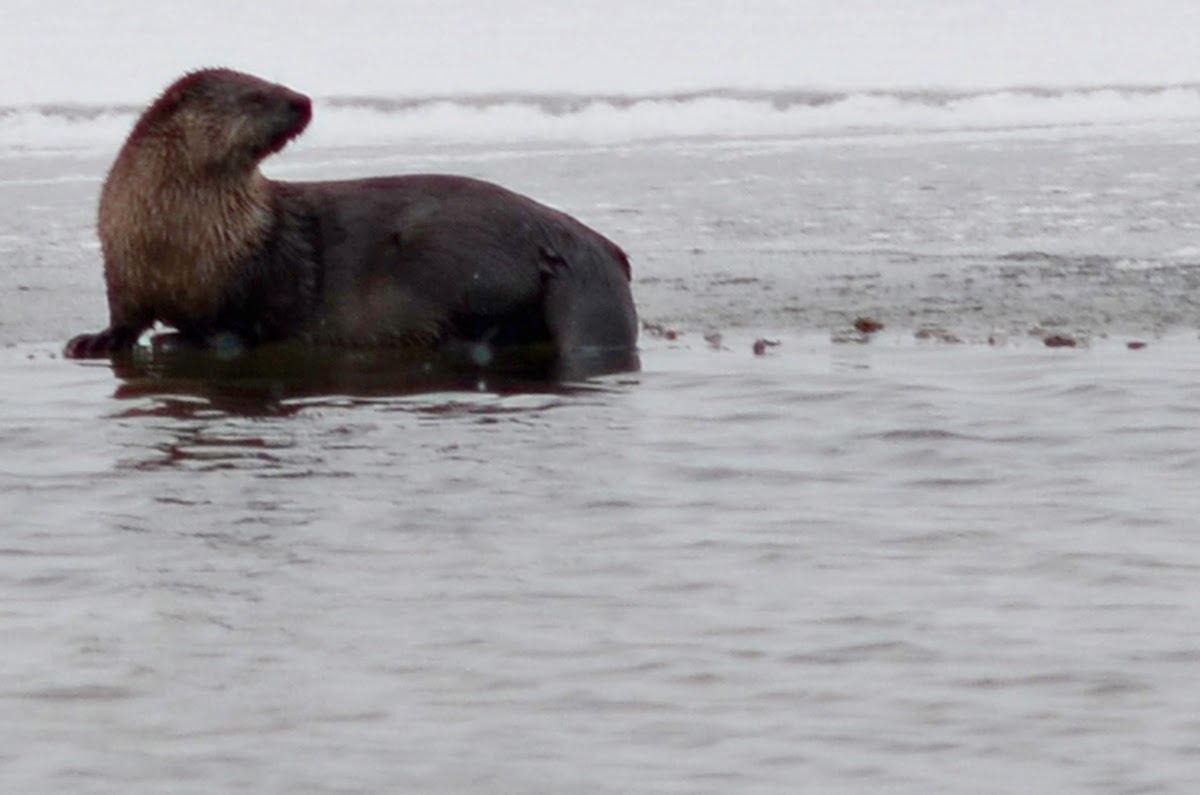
{"x": 194, "y": 236}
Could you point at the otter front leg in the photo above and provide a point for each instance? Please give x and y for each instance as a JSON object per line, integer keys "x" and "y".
{"x": 126, "y": 322}
{"x": 103, "y": 343}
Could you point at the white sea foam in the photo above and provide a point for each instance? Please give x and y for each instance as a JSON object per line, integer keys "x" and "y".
{"x": 613, "y": 119}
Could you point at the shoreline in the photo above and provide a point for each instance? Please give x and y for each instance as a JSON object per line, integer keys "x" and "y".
{"x": 969, "y": 240}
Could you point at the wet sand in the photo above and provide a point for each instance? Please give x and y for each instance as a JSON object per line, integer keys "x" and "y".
{"x": 1089, "y": 232}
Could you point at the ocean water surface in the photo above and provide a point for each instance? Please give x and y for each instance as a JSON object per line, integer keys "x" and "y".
{"x": 788, "y": 554}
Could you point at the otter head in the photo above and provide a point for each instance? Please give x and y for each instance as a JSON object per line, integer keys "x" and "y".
{"x": 184, "y": 204}
{"x": 221, "y": 121}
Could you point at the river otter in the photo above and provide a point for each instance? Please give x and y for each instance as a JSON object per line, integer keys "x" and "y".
{"x": 194, "y": 236}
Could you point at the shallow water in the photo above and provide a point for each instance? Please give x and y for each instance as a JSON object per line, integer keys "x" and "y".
{"x": 848, "y": 564}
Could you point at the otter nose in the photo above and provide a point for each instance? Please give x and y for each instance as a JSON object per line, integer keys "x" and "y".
{"x": 300, "y": 106}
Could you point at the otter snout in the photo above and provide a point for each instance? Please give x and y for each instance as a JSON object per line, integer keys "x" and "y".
{"x": 300, "y": 108}
{"x": 290, "y": 114}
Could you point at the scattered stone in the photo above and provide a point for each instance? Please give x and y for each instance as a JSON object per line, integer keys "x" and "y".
{"x": 659, "y": 330}
{"x": 845, "y": 337}
{"x": 938, "y": 333}
{"x": 1135, "y": 345}
{"x": 761, "y": 345}
{"x": 867, "y": 325}
{"x": 1060, "y": 341}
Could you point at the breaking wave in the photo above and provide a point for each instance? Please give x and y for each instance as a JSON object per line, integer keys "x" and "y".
{"x": 715, "y": 113}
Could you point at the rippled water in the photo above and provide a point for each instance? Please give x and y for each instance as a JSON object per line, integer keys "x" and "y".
{"x": 848, "y": 564}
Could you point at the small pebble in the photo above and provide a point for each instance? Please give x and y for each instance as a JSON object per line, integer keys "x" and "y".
{"x": 761, "y": 345}
{"x": 867, "y": 325}
{"x": 659, "y": 330}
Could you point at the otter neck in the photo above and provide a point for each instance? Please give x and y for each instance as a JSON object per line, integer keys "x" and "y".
{"x": 177, "y": 239}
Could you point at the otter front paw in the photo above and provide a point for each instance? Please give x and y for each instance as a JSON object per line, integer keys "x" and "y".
{"x": 96, "y": 346}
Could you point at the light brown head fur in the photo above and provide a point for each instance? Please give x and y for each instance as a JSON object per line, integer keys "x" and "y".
{"x": 184, "y": 203}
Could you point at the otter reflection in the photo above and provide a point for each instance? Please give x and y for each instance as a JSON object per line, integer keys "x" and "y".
{"x": 262, "y": 380}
